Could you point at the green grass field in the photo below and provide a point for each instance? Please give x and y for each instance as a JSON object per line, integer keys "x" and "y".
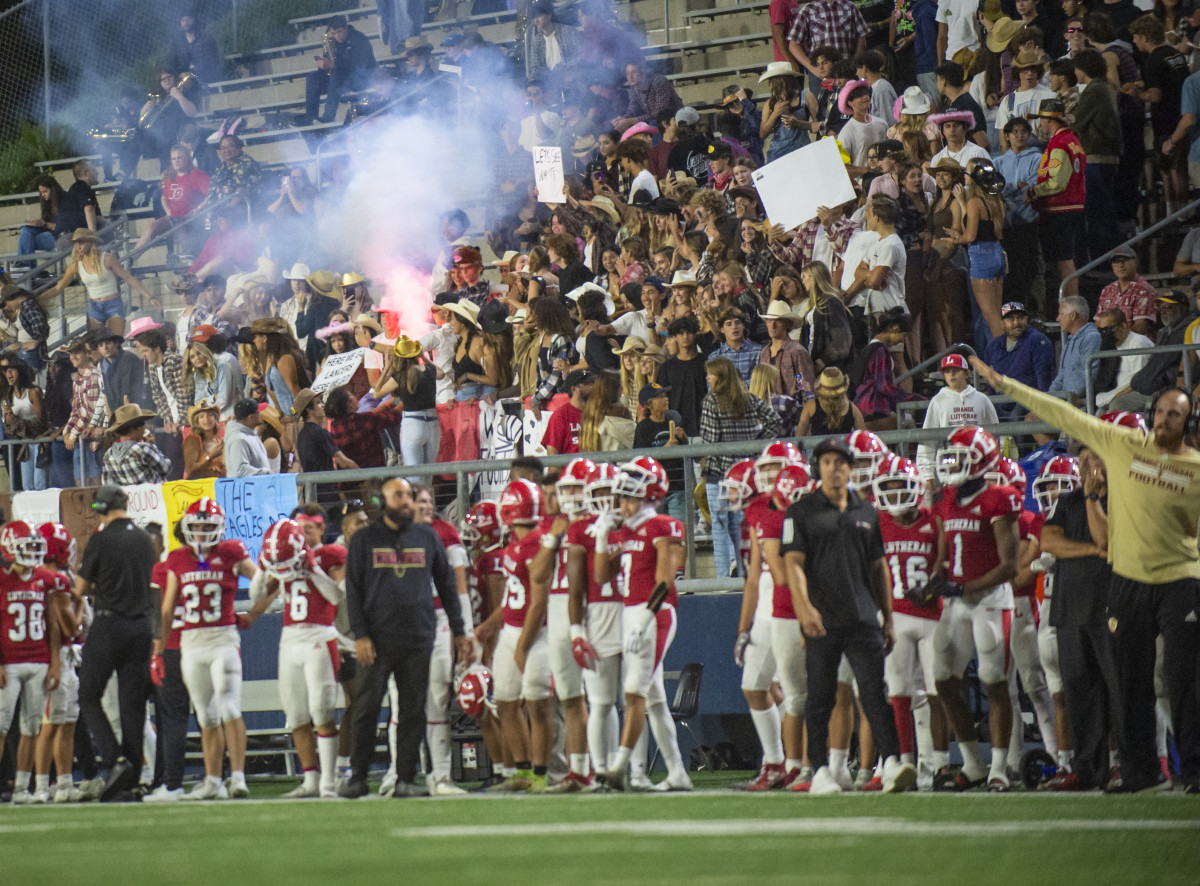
{"x": 715, "y": 835}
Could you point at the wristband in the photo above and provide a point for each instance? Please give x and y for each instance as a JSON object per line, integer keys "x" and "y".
{"x": 578, "y": 633}
{"x": 551, "y": 542}
{"x": 1091, "y": 496}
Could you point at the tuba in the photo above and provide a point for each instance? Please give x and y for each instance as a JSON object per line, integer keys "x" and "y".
{"x": 162, "y": 102}
{"x": 327, "y": 43}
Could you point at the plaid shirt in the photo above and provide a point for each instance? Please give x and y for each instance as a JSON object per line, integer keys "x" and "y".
{"x": 793, "y": 359}
{"x": 743, "y": 360}
{"x": 33, "y": 318}
{"x": 88, "y": 409}
{"x": 836, "y": 23}
{"x": 359, "y": 435}
{"x": 799, "y": 252}
{"x": 172, "y": 408}
{"x": 652, "y": 96}
{"x": 760, "y": 422}
{"x": 134, "y": 461}
{"x": 761, "y": 266}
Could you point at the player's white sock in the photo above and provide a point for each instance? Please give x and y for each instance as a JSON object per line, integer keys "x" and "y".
{"x": 999, "y": 764}
{"x": 637, "y": 759}
{"x": 972, "y": 762}
{"x": 1043, "y": 709}
{"x": 149, "y": 751}
{"x": 597, "y": 732}
{"x": 579, "y": 764}
{"x": 662, "y": 724}
{"x": 614, "y": 738}
{"x": 792, "y": 763}
{"x": 923, "y": 729}
{"x": 1063, "y": 756}
{"x": 392, "y": 729}
{"x": 437, "y": 736}
{"x": 43, "y": 783}
{"x": 237, "y": 776}
{"x": 839, "y": 760}
{"x": 941, "y": 759}
{"x": 64, "y": 781}
{"x": 623, "y": 755}
{"x": 327, "y": 747}
{"x": 343, "y": 762}
{"x": 312, "y": 779}
{"x": 766, "y": 724}
{"x": 21, "y": 782}
{"x": 910, "y": 759}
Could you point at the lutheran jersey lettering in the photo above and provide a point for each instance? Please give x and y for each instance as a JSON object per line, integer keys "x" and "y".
{"x": 24, "y": 635}
{"x": 207, "y": 591}
{"x": 303, "y": 602}
{"x": 970, "y": 535}
{"x": 577, "y": 534}
{"x": 517, "y": 582}
{"x": 911, "y": 555}
{"x": 639, "y": 556}
{"x": 767, "y": 524}
{"x": 487, "y": 563}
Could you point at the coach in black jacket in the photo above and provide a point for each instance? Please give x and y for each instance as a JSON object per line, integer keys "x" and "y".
{"x": 389, "y": 569}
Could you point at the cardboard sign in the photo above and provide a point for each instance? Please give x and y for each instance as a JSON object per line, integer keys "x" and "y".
{"x": 338, "y": 370}
{"x": 499, "y": 434}
{"x": 36, "y": 508}
{"x": 795, "y": 185}
{"x": 147, "y": 505}
{"x": 252, "y": 504}
{"x": 548, "y": 173}
{"x": 178, "y": 497}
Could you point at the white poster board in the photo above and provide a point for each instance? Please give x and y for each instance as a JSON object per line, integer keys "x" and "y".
{"x": 534, "y": 428}
{"x": 338, "y": 370}
{"x": 499, "y": 434}
{"x": 36, "y": 507}
{"x": 548, "y": 173}
{"x": 147, "y": 504}
{"x": 793, "y": 186}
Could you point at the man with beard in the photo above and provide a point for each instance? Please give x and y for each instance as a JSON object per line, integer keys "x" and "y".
{"x": 390, "y": 567}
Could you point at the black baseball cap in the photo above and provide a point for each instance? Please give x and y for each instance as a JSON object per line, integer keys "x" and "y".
{"x": 577, "y": 377}
{"x": 652, "y": 390}
{"x": 835, "y": 445}
{"x": 243, "y": 409}
{"x": 109, "y": 498}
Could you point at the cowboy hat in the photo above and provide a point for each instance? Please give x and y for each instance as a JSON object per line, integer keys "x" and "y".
{"x": 851, "y": 87}
{"x": 406, "y": 349}
{"x": 505, "y": 260}
{"x": 127, "y": 415}
{"x": 684, "y": 278}
{"x": 299, "y": 271}
{"x": 584, "y": 145}
{"x": 417, "y": 44}
{"x": 832, "y": 382}
{"x": 352, "y": 278}
{"x": 520, "y": 315}
{"x": 1028, "y": 59}
{"x": 605, "y": 206}
{"x": 777, "y": 69}
{"x": 82, "y": 235}
{"x": 203, "y": 406}
{"x": 1050, "y": 109}
{"x": 639, "y": 129}
{"x": 948, "y": 164}
{"x": 272, "y": 416}
{"x": 467, "y": 311}
{"x": 1002, "y": 33}
{"x": 633, "y": 345}
{"x": 589, "y": 286}
{"x": 142, "y": 324}
{"x": 914, "y": 102}
{"x": 300, "y": 403}
{"x": 779, "y": 310}
{"x": 269, "y": 326}
{"x": 250, "y": 281}
{"x": 323, "y": 282}
{"x": 966, "y": 118}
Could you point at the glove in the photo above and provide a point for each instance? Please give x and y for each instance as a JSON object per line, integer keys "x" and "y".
{"x": 585, "y": 655}
{"x": 642, "y": 619}
{"x": 943, "y": 587}
{"x": 1044, "y": 563}
{"x": 243, "y": 622}
{"x": 158, "y": 670}
{"x": 924, "y": 595}
{"x": 739, "y": 648}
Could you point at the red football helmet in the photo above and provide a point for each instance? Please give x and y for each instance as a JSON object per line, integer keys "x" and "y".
{"x": 1007, "y": 472}
{"x": 968, "y": 454}
{"x": 598, "y": 495}
{"x": 774, "y": 459}
{"x": 60, "y": 546}
{"x": 482, "y": 524}
{"x": 869, "y": 452}
{"x": 905, "y": 497}
{"x": 642, "y": 478}
{"x": 521, "y": 504}
{"x": 1127, "y": 420}
{"x": 283, "y": 551}
{"x": 572, "y": 484}
{"x": 474, "y": 691}
{"x": 738, "y": 487}
{"x": 21, "y": 545}
{"x": 1059, "y": 475}
{"x": 202, "y": 525}
{"x": 793, "y": 481}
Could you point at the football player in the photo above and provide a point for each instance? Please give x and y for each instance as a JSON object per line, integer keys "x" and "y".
{"x": 869, "y": 453}
{"x": 647, "y": 550}
{"x": 520, "y": 663}
{"x": 915, "y": 547}
{"x": 980, "y": 524}
{"x": 312, "y": 584}
{"x": 57, "y": 739}
{"x": 203, "y": 574}
{"x": 753, "y": 651}
{"x": 30, "y": 662}
{"x": 1023, "y": 633}
{"x": 171, "y": 703}
{"x": 483, "y": 532}
{"x": 783, "y": 635}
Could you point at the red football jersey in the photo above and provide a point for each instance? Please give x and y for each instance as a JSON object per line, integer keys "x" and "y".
{"x": 755, "y": 504}
{"x": 911, "y": 553}
{"x": 487, "y": 563}
{"x": 449, "y": 537}
{"x": 24, "y": 635}
{"x": 639, "y": 556}
{"x": 517, "y": 583}
{"x": 1029, "y": 527}
{"x": 767, "y": 524}
{"x": 158, "y": 579}
{"x": 207, "y": 590}
{"x": 577, "y": 534}
{"x": 970, "y": 538}
{"x": 303, "y": 603}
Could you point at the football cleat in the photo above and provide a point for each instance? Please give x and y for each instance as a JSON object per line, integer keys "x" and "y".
{"x": 1062, "y": 782}
{"x": 862, "y": 778}
{"x": 300, "y": 793}
{"x": 956, "y": 783}
{"x": 873, "y": 785}
{"x": 677, "y": 781}
{"x": 613, "y": 780}
{"x": 208, "y": 790}
{"x": 824, "y": 783}
{"x": 40, "y": 798}
{"x": 68, "y": 794}
{"x": 792, "y": 776}
{"x": 898, "y": 777}
{"x": 572, "y": 784}
{"x": 640, "y": 781}
{"x": 22, "y": 798}
{"x": 161, "y": 794}
{"x": 330, "y": 794}
{"x": 998, "y": 785}
{"x": 238, "y": 789}
{"x": 91, "y": 788}
{"x": 388, "y": 785}
{"x": 444, "y": 787}
{"x": 770, "y": 777}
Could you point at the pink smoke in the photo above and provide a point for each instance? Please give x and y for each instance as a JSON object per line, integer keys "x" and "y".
{"x": 406, "y": 298}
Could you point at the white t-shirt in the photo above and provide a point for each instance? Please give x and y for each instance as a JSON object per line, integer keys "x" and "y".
{"x": 965, "y": 155}
{"x": 643, "y": 181}
{"x": 443, "y": 343}
{"x": 857, "y": 137}
{"x": 887, "y": 252}
{"x": 529, "y": 134}
{"x": 856, "y": 252}
{"x": 553, "y": 51}
{"x": 959, "y": 18}
{"x": 1018, "y": 104}
{"x": 634, "y": 323}
{"x": 1128, "y": 367}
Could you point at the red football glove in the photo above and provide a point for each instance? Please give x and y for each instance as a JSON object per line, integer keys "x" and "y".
{"x": 243, "y": 622}
{"x": 158, "y": 671}
{"x": 585, "y": 655}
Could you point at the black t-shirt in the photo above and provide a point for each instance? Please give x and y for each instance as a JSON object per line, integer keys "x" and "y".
{"x": 316, "y": 448}
{"x": 71, "y": 206}
{"x": 839, "y": 548}
{"x": 1165, "y": 69}
{"x": 118, "y": 561}
{"x": 966, "y": 103}
{"x": 424, "y": 397}
{"x": 598, "y": 354}
{"x": 573, "y": 276}
{"x": 1080, "y": 592}
{"x": 690, "y": 157}
{"x": 688, "y": 385}
{"x": 649, "y": 433}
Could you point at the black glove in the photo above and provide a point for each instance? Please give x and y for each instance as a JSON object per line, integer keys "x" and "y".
{"x": 923, "y": 595}
{"x": 947, "y": 588}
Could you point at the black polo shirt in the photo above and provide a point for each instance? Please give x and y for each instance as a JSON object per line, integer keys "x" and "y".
{"x": 117, "y": 561}
{"x": 1080, "y": 591}
{"x": 839, "y": 548}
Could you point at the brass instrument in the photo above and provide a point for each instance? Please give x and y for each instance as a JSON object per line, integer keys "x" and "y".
{"x": 327, "y": 43}
{"x": 115, "y": 134}
{"x": 162, "y": 102}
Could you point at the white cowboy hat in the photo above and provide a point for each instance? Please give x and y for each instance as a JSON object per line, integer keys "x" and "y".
{"x": 777, "y": 69}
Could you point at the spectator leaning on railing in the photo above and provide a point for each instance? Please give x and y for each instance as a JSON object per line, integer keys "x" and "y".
{"x": 130, "y": 459}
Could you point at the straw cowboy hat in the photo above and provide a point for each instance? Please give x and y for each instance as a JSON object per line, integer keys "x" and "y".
{"x": 605, "y": 207}
{"x": 1027, "y": 59}
{"x": 85, "y": 235}
{"x": 129, "y": 414}
{"x": 273, "y": 417}
{"x": 832, "y": 382}
{"x": 466, "y": 310}
{"x": 406, "y": 348}
{"x": 323, "y": 282}
{"x": 1002, "y": 33}
{"x": 269, "y": 326}
{"x": 194, "y": 411}
{"x": 633, "y": 345}
{"x": 352, "y": 278}
{"x": 370, "y": 322}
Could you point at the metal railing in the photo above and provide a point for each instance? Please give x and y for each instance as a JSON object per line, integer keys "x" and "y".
{"x": 936, "y": 358}
{"x": 201, "y": 213}
{"x": 1090, "y": 390}
{"x": 689, "y": 454}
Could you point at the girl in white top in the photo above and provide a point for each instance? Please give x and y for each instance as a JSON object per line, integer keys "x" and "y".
{"x": 100, "y": 273}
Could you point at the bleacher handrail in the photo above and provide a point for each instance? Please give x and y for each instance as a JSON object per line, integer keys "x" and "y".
{"x": 936, "y": 358}
{"x": 1090, "y": 390}
{"x": 198, "y": 214}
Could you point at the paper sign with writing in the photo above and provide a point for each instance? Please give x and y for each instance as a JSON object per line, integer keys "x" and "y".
{"x": 548, "y": 173}
{"x": 338, "y": 370}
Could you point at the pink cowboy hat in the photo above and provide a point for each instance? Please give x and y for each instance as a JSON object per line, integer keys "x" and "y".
{"x": 142, "y": 324}
{"x": 638, "y": 129}
{"x": 849, "y": 89}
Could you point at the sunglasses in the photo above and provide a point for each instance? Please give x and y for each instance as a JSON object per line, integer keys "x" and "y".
{"x": 1074, "y": 30}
